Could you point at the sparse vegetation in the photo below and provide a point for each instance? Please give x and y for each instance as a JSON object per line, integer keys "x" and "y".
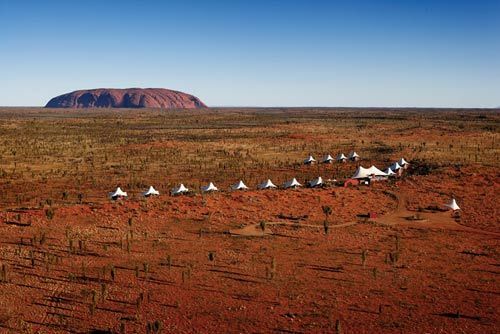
{"x": 120, "y": 254}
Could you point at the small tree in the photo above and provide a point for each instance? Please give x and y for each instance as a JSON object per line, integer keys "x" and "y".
{"x": 49, "y": 213}
{"x": 364, "y": 254}
{"x": 327, "y": 211}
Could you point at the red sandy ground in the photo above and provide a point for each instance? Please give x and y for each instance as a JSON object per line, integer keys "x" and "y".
{"x": 445, "y": 280}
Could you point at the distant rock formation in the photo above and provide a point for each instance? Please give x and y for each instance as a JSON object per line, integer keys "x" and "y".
{"x": 126, "y": 98}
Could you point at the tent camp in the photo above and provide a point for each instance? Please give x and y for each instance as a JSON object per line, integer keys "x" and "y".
{"x": 267, "y": 185}
{"x": 210, "y": 187}
{"x": 151, "y": 192}
{"x": 180, "y": 190}
{"x": 310, "y": 160}
{"x": 453, "y": 205}
{"x": 353, "y": 156}
{"x": 327, "y": 159}
{"x": 239, "y": 186}
{"x": 293, "y": 183}
{"x": 318, "y": 182}
{"x": 341, "y": 157}
{"x": 403, "y": 163}
{"x": 372, "y": 173}
{"x": 118, "y": 193}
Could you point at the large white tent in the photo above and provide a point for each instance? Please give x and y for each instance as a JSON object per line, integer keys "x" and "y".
{"x": 118, "y": 193}
{"x": 267, "y": 185}
{"x": 151, "y": 192}
{"x": 180, "y": 190}
{"x": 239, "y": 186}
{"x": 328, "y": 159}
{"x": 208, "y": 188}
{"x": 309, "y": 160}
{"x": 453, "y": 205}
{"x": 341, "y": 157}
{"x": 318, "y": 182}
{"x": 368, "y": 173}
{"x": 353, "y": 156}
{"x": 293, "y": 183}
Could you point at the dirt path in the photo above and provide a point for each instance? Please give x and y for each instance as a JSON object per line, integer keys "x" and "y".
{"x": 400, "y": 217}
{"x": 436, "y": 220}
{"x": 255, "y": 230}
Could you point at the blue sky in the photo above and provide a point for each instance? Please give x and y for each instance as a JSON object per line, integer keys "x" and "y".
{"x": 256, "y": 53}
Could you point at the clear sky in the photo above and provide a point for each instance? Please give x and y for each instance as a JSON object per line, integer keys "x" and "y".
{"x": 256, "y": 53}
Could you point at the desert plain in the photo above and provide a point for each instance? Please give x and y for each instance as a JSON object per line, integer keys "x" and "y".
{"x": 256, "y": 261}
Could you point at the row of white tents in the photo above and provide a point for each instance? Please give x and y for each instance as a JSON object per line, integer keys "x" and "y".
{"x": 181, "y": 189}
{"x": 361, "y": 173}
{"x": 328, "y": 159}
{"x": 371, "y": 173}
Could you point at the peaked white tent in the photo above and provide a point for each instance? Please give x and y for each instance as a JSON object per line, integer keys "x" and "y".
{"x": 403, "y": 163}
{"x": 267, "y": 185}
{"x": 151, "y": 192}
{"x": 239, "y": 186}
{"x": 389, "y": 172}
{"x": 309, "y": 160}
{"x": 453, "y": 205}
{"x": 293, "y": 183}
{"x": 209, "y": 187}
{"x": 328, "y": 159}
{"x": 341, "y": 157}
{"x": 316, "y": 182}
{"x": 395, "y": 166}
{"x": 180, "y": 190}
{"x": 118, "y": 193}
{"x": 368, "y": 173}
{"x": 353, "y": 156}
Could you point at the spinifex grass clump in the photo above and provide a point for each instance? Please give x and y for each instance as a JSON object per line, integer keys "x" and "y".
{"x": 271, "y": 270}
{"x": 3, "y": 273}
{"x": 154, "y": 327}
{"x": 93, "y": 302}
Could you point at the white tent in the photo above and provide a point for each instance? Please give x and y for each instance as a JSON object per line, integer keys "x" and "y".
{"x": 327, "y": 159}
{"x": 293, "y": 183}
{"x": 368, "y": 173}
{"x": 316, "y": 182}
{"x": 267, "y": 185}
{"x": 395, "y": 167}
{"x": 353, "y": 156}
{"x": 151, "y": 192}
{"x": 402, "y": 162}
{"x": 118, "y": 193}
{"x": 239, "y": 186}
{"x": 180, "y": 190}
{"x": 453, "y": 205}
{"x": 389, "y": 171}
{"x": 209, "y": 187}
{"x": 309, "y": 160}
{"x": 341, "y": 157}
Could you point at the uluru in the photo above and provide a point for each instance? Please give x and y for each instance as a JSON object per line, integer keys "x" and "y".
{"x": 126, "y": 98}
